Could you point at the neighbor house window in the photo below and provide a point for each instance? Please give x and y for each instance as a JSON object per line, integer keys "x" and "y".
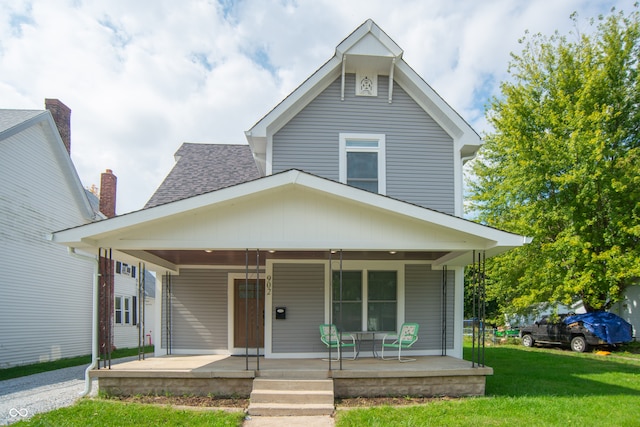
{"x": 363, "y": 161}
{"x": 118, "y": 311}
{"x": 367, "y": 300}
{"x": 123, "y": 312}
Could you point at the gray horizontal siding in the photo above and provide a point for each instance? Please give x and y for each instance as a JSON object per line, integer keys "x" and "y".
{"x": 300, "y": 288}
{"x": 423, "y": 305}
{"x": 419, "y": 152}
{"x": 198, "y": 310}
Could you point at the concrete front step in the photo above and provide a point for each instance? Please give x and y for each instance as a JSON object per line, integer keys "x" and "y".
{"x": 289, "y": 410}
{"x": 288, "y": 374}
{"x": 291, "y": 397}
{"x": 299, "y": 384}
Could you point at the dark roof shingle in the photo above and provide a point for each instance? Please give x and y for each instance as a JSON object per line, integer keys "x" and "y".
{"x": 202, "y": 168}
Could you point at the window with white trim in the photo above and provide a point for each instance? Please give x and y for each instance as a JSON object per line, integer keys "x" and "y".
{"x": 123, "y": 311}
{"x": 369, "y": 300}
{"x": 363, "y": 161}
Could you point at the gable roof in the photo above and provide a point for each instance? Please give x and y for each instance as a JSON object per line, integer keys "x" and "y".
{"x": 370, "y": 48}
{"x": 10, "y": 119}
{"x": 201, "y": 168}
{"x": 13, "y": 122}
{"x": 289, "y": 211}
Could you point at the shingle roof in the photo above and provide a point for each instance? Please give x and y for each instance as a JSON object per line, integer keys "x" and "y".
{"x": 11, "y": 118}
{"x": 202, "y": 168}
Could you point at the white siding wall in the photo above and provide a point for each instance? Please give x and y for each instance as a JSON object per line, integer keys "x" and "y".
{"x": 126, "y": 335}
{"x": 45, "y": 304}
{"x": 629, "y": 308}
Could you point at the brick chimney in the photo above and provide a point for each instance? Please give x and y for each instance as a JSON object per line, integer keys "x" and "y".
{"x": 62, "y": 117}
{"x": 108, "y": 184}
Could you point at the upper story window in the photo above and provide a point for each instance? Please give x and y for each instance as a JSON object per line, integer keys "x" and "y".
{"x": 363, "y": 161}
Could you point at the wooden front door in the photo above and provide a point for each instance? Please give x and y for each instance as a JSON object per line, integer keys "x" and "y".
{"x": 248, "y": 307}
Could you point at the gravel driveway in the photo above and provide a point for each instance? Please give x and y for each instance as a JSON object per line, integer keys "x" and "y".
{"x": 23, "y": 397}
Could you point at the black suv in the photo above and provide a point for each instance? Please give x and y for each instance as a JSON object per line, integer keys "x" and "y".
{"x": 577, "y": 331}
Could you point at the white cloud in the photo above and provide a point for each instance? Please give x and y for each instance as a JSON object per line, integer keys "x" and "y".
{"x": 142, "y": 77}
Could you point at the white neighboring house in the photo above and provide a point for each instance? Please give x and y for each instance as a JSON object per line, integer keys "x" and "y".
{"x": 46, "y": 303}
{"x": 126, "y": 303}
{"x": 629, "y": 308}
{"x": 45, "y": 309}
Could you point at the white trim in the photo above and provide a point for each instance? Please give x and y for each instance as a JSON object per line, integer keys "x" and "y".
{"x": 269, "y": 156}
{"x": 109, "y": 233}
{"x": 365, "y": 266}
{"x": 380, "y": 150}
{"x": 158, "y": 350}
{"x": 458, "y": 316}
{"x": 458, "y": 184}
{"x": 123, "y": 312}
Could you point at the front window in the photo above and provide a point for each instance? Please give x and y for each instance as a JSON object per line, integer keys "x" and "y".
{"x": 382, "y": 293}
{"x": 363, "y": 162}
{"x": 369, "y": 300}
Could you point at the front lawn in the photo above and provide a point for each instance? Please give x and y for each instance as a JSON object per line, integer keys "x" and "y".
{"x": 100, "y": 413}
{"x": 532, "y": 387}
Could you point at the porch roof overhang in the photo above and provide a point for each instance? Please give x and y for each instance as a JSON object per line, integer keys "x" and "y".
{"x": 288, "y": 213}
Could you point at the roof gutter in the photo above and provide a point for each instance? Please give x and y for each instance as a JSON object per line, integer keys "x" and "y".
{"x": 94, "y": 323}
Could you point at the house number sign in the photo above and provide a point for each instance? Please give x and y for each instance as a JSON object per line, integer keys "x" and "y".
{"x": 269, "y": 285}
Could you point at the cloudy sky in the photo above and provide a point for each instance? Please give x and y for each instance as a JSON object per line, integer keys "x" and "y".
{"x": 144, "y": 76}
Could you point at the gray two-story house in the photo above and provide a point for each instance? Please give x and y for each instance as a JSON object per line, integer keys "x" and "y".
{"x": 345, "y": 207}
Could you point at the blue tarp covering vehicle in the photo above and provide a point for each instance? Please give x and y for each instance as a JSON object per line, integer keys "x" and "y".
{"x": 579, "y": 331}
{"x": 607, "y": 326}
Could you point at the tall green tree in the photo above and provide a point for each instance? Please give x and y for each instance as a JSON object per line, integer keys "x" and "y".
{"x": 562, "y": 165}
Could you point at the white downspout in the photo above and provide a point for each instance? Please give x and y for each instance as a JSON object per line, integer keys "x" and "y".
{"x": 94, "y": 323}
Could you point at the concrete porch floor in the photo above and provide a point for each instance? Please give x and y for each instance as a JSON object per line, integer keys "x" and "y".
{"x": 226, "y": 375}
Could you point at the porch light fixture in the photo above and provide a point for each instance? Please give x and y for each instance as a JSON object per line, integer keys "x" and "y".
{"x": 272, "y": 251}
{"x": 393, "y": 252}
{"x": 208, "y": 250}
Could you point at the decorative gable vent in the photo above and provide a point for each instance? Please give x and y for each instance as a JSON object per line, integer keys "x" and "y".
{"x": 366, "y": 84}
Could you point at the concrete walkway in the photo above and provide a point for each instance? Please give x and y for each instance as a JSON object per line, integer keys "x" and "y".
{"x": 317, "y": 421}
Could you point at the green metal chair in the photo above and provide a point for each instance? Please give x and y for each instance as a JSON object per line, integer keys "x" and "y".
{"x": 330, "y": 337}
{"x": 405, "y": 339}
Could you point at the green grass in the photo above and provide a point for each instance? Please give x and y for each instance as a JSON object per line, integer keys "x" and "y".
{"x": 36, "y": 368}
{"x": 532, "y": 387}
{"x": 100, "y": 413}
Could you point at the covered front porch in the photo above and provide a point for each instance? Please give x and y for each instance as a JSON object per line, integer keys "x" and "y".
{"x": 222, "y": 375}
{"x": 323, "y": 253}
